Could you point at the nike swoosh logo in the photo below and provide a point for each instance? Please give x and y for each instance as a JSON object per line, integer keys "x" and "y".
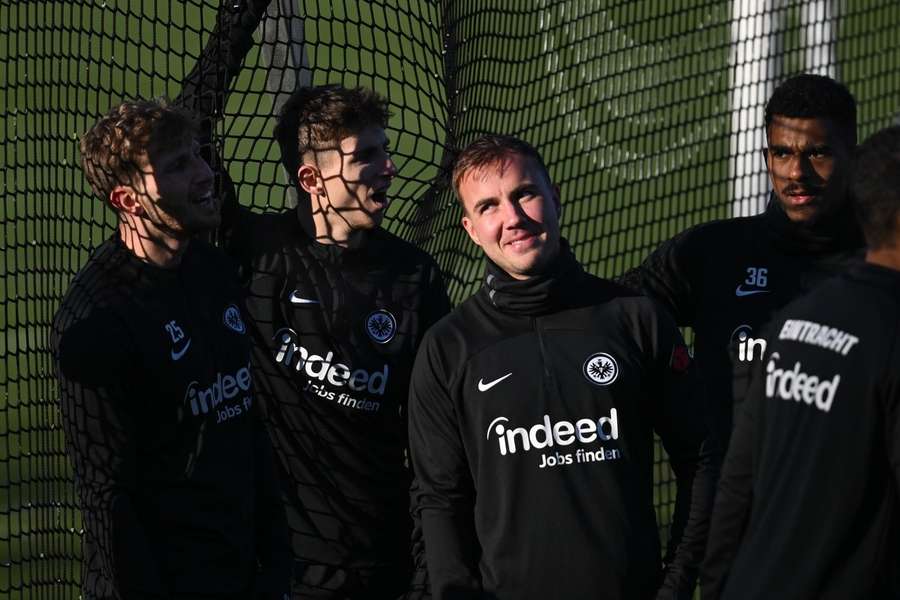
{"x": 295, "y": 299}
{"x": 483, "y": 387}
{"x": 741, "y": 292}
{"x": 177, "y": 354}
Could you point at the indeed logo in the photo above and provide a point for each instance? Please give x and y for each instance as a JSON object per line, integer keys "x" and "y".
{"x": 225, "y": 387}
{"x": 292, "y": 355}
{"x": 748, "y": 346}
{"x": 796, "y": 385}
{"x": 548, "y": 434}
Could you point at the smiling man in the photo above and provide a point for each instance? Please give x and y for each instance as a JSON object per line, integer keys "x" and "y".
{"x": 173, "y": 467}
{"x": 532, "y": 412}
{"x": 726, "y": 278}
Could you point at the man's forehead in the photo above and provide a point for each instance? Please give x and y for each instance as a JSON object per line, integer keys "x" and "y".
{"x": 166, "y": 150}
{"x": 370, "y": 136}
{"x": 804, "y": 129}
{"x": 525, "y": 168}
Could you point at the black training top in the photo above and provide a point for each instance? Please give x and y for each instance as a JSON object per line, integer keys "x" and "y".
{"x": 726, "y": 279}
{"x": 532, "y": 412}
{"x": 808, "y": 503}
{"x": 335, "y": 334}
{"x": 173, "y": 468}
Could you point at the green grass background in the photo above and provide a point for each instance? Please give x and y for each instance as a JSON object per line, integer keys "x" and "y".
{"x": 628, "y": 101}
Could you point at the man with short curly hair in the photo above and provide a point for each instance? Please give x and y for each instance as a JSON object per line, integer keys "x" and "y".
{"x": 726, "y": 278}
{"x": 172, "y": 465}
{"x": 808, "y": 504}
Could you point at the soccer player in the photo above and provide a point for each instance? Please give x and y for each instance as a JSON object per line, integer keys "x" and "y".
{"x": 809, "y": 501}
{"x": 337, "y": 307}
{"x": 173, "y": 467}
{"x": 726, "y": 278}
{"x": 532, "y": 412}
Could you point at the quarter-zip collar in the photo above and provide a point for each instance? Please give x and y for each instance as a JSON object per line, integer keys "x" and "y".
{"x": 537, "y": 295}
{"x": 837, "y": 232}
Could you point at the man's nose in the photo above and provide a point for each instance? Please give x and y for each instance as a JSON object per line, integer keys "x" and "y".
{"x": 390, "y": 168}
{"x": 204, "y": 171}
{"x": 798, "y": 166}
{"x": 513, "y": 214}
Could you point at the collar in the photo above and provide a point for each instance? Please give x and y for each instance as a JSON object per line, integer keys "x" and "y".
{"x": 537, "y": 295}
{"x": 876, "y": 276}
{"x": 836, "y": 233}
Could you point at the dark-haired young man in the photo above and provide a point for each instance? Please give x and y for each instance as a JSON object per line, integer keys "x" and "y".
{"x": 532, "y": 412}
{"x": 809, "y": 500}
{"x": 337, "y": 308}
{"x": 726, "y": 278}
{"x": 173, "y": 467}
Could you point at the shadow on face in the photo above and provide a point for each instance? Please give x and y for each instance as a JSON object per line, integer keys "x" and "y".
{"x": 808, "y": 161}
{"x": 348, "y": 184}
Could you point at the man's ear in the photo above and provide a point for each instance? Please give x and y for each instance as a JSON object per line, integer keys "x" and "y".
{"x": 124, "y": 199}
{"x": 310, "y": 180}
{"x": 470, "y": 229}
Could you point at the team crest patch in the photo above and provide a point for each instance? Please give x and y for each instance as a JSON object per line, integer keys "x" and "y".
{"x": 232, "y": 319}
{"x": 381, "y": 326}
{"x": 601, "y": 369}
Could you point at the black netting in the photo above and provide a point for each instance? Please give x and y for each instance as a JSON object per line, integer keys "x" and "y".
{"x": 649, "y": 117}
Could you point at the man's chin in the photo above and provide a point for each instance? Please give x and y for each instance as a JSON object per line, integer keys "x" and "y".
{"x": 532, "y": 264}
{"x": 801, "y": 212}
{"x": 205, "y": 225}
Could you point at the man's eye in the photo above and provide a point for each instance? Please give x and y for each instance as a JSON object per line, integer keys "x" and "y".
{"x": 779, "y": 152}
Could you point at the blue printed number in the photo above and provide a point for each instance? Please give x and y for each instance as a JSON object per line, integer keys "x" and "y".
{"x": 757, "y": 276}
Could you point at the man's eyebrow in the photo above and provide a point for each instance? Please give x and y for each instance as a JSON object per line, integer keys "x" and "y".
{"x": 482, "y": 201}
{"x": 525, "y": 185}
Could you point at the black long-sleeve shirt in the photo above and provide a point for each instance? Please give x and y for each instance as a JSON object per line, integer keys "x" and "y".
{"x": 726, "y": 279}
{"x": 173, "y": 468}
{"x": 335, "y": 332}
{"x": 532, "y": 412}
{"x": 809, "y": 501}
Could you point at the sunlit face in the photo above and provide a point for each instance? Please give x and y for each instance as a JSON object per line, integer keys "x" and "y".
{"x": 175, "y": 191}
{"x": 809, "y": 163}
{"x": 353, "y": 181}
{"x": 512, "y": 212}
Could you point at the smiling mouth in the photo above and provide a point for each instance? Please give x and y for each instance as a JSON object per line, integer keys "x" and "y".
{"x": 522, "y": 241}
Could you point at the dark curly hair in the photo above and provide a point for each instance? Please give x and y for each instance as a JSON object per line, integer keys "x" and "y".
{"x": 809, "y": 96}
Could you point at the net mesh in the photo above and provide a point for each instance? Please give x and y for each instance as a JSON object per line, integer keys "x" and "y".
{"x": 648, "y": 116}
